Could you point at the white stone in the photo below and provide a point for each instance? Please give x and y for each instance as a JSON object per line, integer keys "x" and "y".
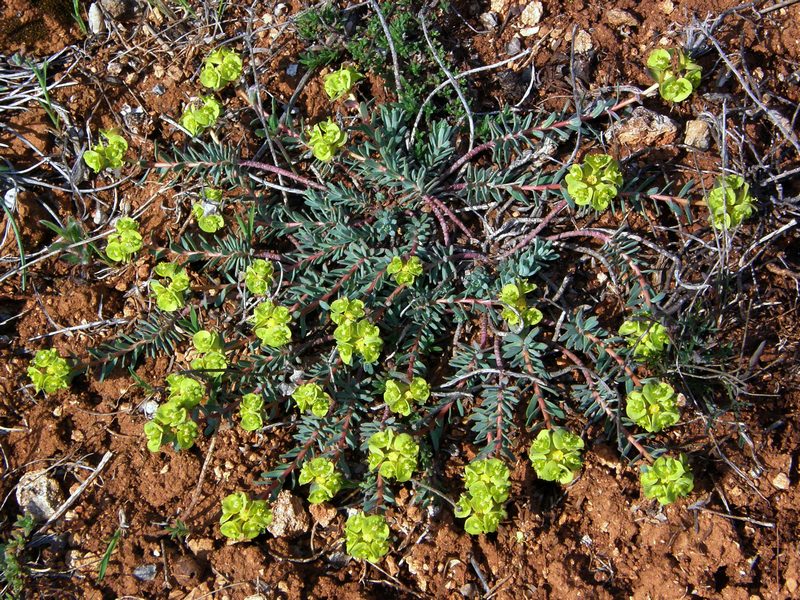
{"x": 617, "y": 18}
{"x": 532, "y": 14}
{"x": 529, "y": 31}
{"x": 289, "y": 518}
{"x": 489, "y": 20}
{"x": 96, "y": 22}
{"x": 643, "y": 128}
{"x": 39, "y": 494}
{"x": 583, "y": 42}
{"x": 698, "y": 135}
{"x": 781, "y": 481}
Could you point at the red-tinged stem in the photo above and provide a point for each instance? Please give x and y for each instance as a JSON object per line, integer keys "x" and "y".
{"x": 309, "y": 307}
{"x": 537, "y": 390}
{"x": 284, "y": 173}
{"x": 291, "y": 467}
{"x": 599, "y": 399}
{"x": 532, "y": 235}
{"x": 617, "y": 358}
{"x": 498, "y": 359}
{"x": 433, "y": 201}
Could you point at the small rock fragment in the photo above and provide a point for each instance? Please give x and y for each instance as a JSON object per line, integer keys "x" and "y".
{"x": 96, "y": 22}
{"x": 115, "y": 8}
{"x": 698, "y": 134}
{"x": 39, "y": 494}
{"x": 667, "y": 6}
{"x": 145, "y": 572}
{"x": 468, "y": 591}
{"x": 323, "y": 514}
{"x": 781, "y": 482}
{"x": 583, "y": 42}
{"x": 532, "y": 14}
{"x": 289, "y": 518}
{"x": 529, "y": 31}
{"x": 186, "y": 570}
{"x": 498, "y": 6}
{"x": 643, "y": 128}
{"x": 280, "y": 9}
{"x": 291, "y": 70}
{"x": 514, "y": 46}
{"x": 200, "y": 545}
{"x": 618, "y": 18}
{"x": 791, "y": 585}
{"x": 489, "y": 20}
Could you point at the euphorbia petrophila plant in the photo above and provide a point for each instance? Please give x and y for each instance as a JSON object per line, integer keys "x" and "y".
{"x": 125, "y": 241}
{"x": 667, "y": 479}
{"x": 367, "y": 536}
{"x": 108, "y": 154}
{"x": 677, "y": 74}
{"x": 49, "y": 372}
{"x": 648, "y": 338}
{"x": 595, "y": 182}
{"x": 310, "y": 396}
{"x": 729, "y": 202}
{"x": 556, "y": 455}
{"x": 654, "y": 407}
{"x": 243, "y": 518}
{"x": 393, "y": 455}
{"x": 400, "y": 396}
{"x": 221, "y": 67}
{"x": 487, "y": 488}
{"x": 325, "y": 479}
{"x": 172, "y": 296}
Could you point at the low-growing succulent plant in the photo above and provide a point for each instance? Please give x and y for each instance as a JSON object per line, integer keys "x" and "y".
{"x": 482, "y": 504}
{"x": 311, "y": 396}
{"x": 212, "y": 356}
{"x": 516, "y": 310}
{"x": 258, "y": 276}
{"x": 271, "y": 324}
{"x": 208, "y": 219}
{"x": 400, "y": 396}
{"x": 556, "y": 455}
{"x": 667, "y": 479}
{"x": 125, "y": 241}
{"x": 729, "y": 202}
{"x": 654, "y": 407}
{"x": 220, "y": 68}
{"x": 172, "y": 423}
{"x": 648, "y": 338}
{"x": 677, "y": 74}
{"x": 595, "y": 182}
{"x": 353, "y": 333}
{"x": 49, "y": 372}
{"x": 325, "y": 139}
{"x": 108, "y": 155}
{"x": 393, "y": 455}
{"x": 405, "y": 273}
{"x": 325, "y": 480}
{"x": 243, "y": 518}
{"x": 339, "y": 83}
{"x": 367, "y": 537}
{"x": 172, "y": 296}
{"x": 196, "y": 118}
{"x": 251, "y": 412}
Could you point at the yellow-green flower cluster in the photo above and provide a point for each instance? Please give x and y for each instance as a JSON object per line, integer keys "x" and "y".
{"x": 271, "y": 324}
{"x": 393, "y": 455}
{"x": 243, "y": 518}
{"x": 353, "y": 333}
{"x": 311, "y": 396}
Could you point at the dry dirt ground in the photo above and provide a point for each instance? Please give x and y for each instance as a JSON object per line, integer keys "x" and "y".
{"x": 736, "y": 537}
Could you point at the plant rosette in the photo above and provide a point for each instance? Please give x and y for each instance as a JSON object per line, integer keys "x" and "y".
{"x": 220, "y": 68}
{"x": 353, "y": 333}
{"x": 667, "y": 479}
{"x": 108, "y": 154}
{"x": 595, "y": 182}
{"x": 49, "y": 372}
{"x": 325, "y": 139}
{"x": 325, "y": 480}
{"x": 339, "y": 83}
{"x": 367, "y": 537}
{"x": 212, "y": 356}
{"x": 405, "y": 273}
{"x": 400, "y": 396}
{"x": 311, "y": 396}
{"x": 729, "y": 202}
{"x": 258, "y": 276}
{"x": 207, "y": 217}
{"x": 271, "y": 324}
{"x": 243, "y": 518}
{"x": 654, "y": 407}
{"x": 647, "y": 338}
{"x": 516, "y": 311}
{"x": 677, "y": 75}
{"x": 251, "y": 412}
{"x": 172, "y": 296}
{"x": 197, "y": 118}
{"x": 556, "y": 455}
{"x": 487, "y": 487}
{"x": 172, "y": 423}
{"x": 393, "y": 455}
{"x": 125, "y": 241}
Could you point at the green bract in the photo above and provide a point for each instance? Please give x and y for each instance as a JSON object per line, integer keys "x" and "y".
{"x": 394, "y": 455}
{"x": 197, "y": 118}
{"x": 258, "y": 276}
{"x": 172, "y": 423}
{"x": 487, "y": 487}
{"x": 271, "y": 324}
{"x": 729, "y": 202}
{"x": 310, "y": 396}
{"x": 367, "y": 537}
{"x": 340, "y": 82}
{"x": 325, "y": 139}
{"x": 354, "y": 334}
{"x": 125, "y": 241}
{"x": 243, "y": 518}
{"x": 171, "y": 296}
{"x": 399, "y": 395}
{"x": 667, "y": 480}
{"x": 654, "y": 407}
{"x": 221, "y": 67}
{"x": 595, "y": 182}
{"x": 325, "y": 480}
{"x": 647, "y": 338}
{"x": 108, "y": 155}
{"x": 677, "y": 75}
{"x": 251, "y": 412}
{"x": 208, "y": 219}
{"x": 516, "y": 309}
{"x": 405, "y": 272}
{"x": 556, "y": 455}
{"x": 211, "y": 348}
{"x": 48, "y": 371}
